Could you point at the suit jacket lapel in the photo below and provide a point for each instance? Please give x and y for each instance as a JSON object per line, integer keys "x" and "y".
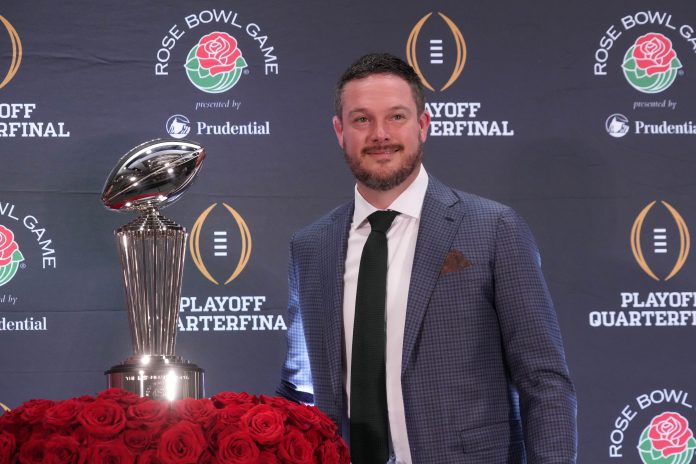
{"x": 333, "y": 252}
{"x": 438, "y": 225}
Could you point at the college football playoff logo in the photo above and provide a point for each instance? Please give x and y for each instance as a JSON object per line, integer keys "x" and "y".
{"x": 16, "y": 52}
{"x": 436, "y": 51}
{"x": 660, "y": 240}
{"x": 220, "y": 244}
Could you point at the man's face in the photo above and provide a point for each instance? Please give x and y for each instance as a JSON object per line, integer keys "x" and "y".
{"x": 380, "y": 131}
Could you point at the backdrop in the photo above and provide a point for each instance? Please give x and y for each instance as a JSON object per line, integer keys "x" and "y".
{"x": 580, "y": 115}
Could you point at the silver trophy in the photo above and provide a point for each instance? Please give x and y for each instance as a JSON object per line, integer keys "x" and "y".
{"x": 152, "y": 249}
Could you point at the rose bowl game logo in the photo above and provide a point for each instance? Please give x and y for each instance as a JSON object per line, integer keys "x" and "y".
{"x": 651, "y": 64}
{"x": 667, "y": 440}
{"x": 215, "y": 63}
{"x": 10, "y": 256}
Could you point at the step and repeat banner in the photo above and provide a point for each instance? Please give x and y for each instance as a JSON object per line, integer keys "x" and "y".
{"x": 580, "y": 116}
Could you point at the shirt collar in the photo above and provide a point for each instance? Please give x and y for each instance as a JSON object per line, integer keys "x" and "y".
{"x": 409, "y": 203}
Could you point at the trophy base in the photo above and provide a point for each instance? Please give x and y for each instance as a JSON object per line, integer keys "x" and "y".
{"x": 158, "y": 377}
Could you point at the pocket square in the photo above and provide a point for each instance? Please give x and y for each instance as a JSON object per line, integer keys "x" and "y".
{"x": 454, "y": 261}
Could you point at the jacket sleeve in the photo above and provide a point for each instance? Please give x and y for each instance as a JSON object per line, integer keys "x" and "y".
{"x": 533, "y": 345}
{"x": 296, "y": 376}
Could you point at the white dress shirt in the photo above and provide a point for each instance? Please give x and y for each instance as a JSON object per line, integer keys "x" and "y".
{"x": 401, "y": 243}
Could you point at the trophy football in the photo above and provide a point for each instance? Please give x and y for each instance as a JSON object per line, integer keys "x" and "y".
{"x": 152, "y": 249}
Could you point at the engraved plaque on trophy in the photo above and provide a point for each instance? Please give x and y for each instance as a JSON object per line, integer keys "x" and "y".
{"x": 152, "y": 249}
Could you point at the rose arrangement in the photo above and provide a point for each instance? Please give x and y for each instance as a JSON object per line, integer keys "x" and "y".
{"x": 118, "y": 427}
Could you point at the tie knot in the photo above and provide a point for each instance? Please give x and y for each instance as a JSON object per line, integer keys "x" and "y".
{"x": 380, "y": 221}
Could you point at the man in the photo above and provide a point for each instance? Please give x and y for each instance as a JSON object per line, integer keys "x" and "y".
{"x": 469, "y": 364}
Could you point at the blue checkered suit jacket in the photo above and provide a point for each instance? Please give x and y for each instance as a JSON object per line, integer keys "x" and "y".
{"x": 484, "y": 376}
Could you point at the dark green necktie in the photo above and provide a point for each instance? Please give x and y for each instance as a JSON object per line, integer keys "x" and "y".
{"x": 369, "y": 423}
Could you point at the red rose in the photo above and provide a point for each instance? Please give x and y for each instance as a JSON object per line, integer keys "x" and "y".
{"x": 232, "y": 414}
{"x": 327, "y": 427}
{"x": 237, "y": 448}
{"x": 181, "y": 444}
{"x": 84, "y": 399}
{"x": 217, "y": 52}
{"x": 217, "y": 433}
{"x": 327, "y": 452}
{"x": 277, "y": 402}
{"x": 33, "y": 410}
{"x": 61, "y": 450}
{"x": 63, "y": 414}
{"x": 653, "y": 53}
{"x": 102, "y": 418}
{"x": 201, "y": 412}
{"x": 149, "y": 457}
{"x": 224, "y": 399}
{"x": 344, "y": 454}
{"x": 32, "y": 452}
{"x": 122, "y": 397}
{"x": 107, "y": 452}
{"x": 295, "y": 449}
{"x": 7, "y": 245}
{"x": 12, "y": 423}
{"x": 669, "y": 433}
{"x": 150, "y": 414}
{"x": 304, "y": 417}
{"x": 264, "y": 424}
{"x": 81, "y": 435}
{"x": 7, "y": 447}
{"x": 138, "y": 439}
{"x": 266, "y": 457}
{"x": 207, "y": 458}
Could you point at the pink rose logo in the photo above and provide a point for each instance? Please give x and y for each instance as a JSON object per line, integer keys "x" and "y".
{"x": 215, "y": 64}
{"x": 653, "y": 53}
{"x": 7, "y": 246}
{"x": 217, "y": 52}
{"x": 667, "y": 436}
{"x": 10, "y": 256}
{"x": 651, "y": 64}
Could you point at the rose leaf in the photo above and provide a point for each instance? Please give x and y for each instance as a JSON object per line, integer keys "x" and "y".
{"x": 240, "y": 63}
{"x": 192, "y": 64}
{"x": 645, "y": 445}
{"x": 203, "y": 73}
{"x": 17, "y": 256}
{"x": 656, "y": 454}
{"x": 629, "y": 64}
{"x": 675, "y": 63}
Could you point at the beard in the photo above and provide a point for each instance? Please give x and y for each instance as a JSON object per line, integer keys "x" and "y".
{"x": 383, "y": 181}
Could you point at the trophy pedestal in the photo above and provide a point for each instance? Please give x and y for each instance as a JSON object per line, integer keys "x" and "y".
{"x": 158, "y": 377}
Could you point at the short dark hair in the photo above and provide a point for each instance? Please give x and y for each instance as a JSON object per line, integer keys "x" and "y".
{"x": 380, "y": 63}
